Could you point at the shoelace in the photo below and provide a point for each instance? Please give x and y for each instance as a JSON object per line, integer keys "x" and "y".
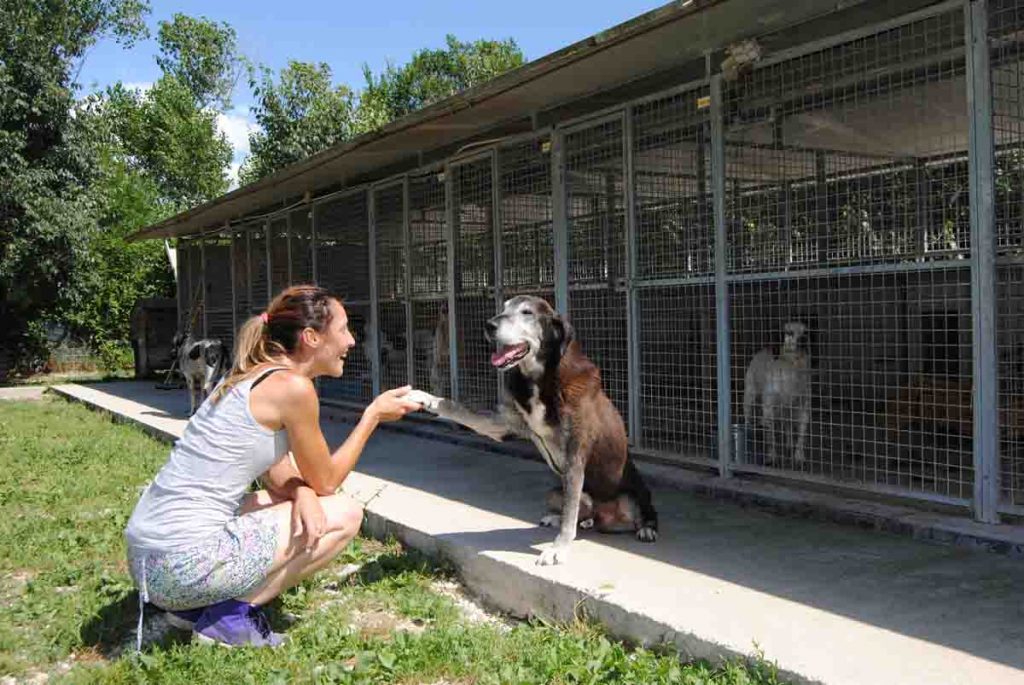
{"x": 259, "y": 619}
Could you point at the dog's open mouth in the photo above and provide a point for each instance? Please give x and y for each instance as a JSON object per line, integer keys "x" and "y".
{"x": 509, "y": 355}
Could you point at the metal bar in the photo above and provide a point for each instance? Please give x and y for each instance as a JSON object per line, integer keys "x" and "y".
{"x": 248, "y": 269}
{"x": 453, "y": 329}
{"x": 721, "y": 284}
{"x": 288, "y": 244}
{"x": 667, "y": 282}
{"x": 410, "y": 356}
{"x": 559, "y": 222}
{"x": 267, "y": 238}
{"x": 202, "y": 276}
{"x": 497, "y": 225}
{"x": 632, "y": 295}
{"x": 898, "y": 267}
{"x": 849, "y": 486}
{"x": 373, "y": 327}
{"x": 983, "y": 271}
{"x": 312, "y": 242}
{"x": 234, "y": 295}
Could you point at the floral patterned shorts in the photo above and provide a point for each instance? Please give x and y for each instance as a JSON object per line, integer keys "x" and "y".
{"x": 227, "y": 565}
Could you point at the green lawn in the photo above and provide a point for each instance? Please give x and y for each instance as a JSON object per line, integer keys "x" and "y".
{"x": 68, "y": 481}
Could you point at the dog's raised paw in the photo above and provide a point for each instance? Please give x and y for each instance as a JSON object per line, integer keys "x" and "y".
{"x": 429, "y": 402}
{"x": 647, "y": 534}
{"x": 551, "y": 521}
{"x": 553, "y": 555}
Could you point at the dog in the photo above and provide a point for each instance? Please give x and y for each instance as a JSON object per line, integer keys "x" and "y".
{"x": 203, "y": 363}
{"x": 553, "y": 397}
{"x": 782, "y": 386}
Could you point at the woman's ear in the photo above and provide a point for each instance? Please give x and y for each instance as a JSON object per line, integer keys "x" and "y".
{"x": 310, "y": 337}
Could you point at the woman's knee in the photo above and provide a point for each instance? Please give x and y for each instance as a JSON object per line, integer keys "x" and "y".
{"x": 343, "y": 513}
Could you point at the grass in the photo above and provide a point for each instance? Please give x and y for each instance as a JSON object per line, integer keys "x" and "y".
{"x": 68, "y": 481}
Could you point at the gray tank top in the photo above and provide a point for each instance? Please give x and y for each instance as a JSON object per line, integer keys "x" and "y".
{"x": 203, "y": 483}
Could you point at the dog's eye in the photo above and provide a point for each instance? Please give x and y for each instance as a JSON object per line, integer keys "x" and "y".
{"x": 527, "y": 312}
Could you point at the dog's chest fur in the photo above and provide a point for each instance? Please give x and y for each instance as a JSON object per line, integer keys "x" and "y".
{"x": 540, "y": 417}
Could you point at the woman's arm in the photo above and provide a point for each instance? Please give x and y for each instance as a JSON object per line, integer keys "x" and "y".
{"x": 300, "y": 414}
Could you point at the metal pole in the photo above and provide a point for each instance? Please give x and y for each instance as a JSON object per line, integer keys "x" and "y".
{"x": 721, "y": 286}
{"x": 267, "y": 238}
{"x": 372, "y": 327}
{"x": 234, "y": 296}
{"x": 312, "y": 242}
{"x": 453, "y": 328}
{"x": 248, "y": 269}
{"x": 202, "y": 277}
{"x": 983, "y": 269}
{"x": 496, "y": 224}
{"x": 410, "y": 356}
{"x": 559, "y": 219}
{"x": 632, "y": 295}
{"x": 288, "y": 244}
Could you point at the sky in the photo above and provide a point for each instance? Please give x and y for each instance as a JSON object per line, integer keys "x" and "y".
{"x": 347, "y": 35}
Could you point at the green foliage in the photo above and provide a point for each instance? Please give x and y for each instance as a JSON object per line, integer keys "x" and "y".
{"x": 301, "y": 113}
{"x": 298, "y": 115}
{"x": 202, "y": 54}
{"x": 46, "y": 162}
{"x": 430, "y": 76}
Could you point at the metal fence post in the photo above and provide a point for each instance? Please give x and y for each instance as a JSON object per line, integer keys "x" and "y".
{"x": 410, "y": 356}
{"x": 373, "y": 327}
{"x": 453, "y": 325}
{"x": 983, "y": 268}
{"x": 721, "y": 285}
{"x": 496, "y": 225}
{"x": 560, "y": 222}
{"x": 202, "y": 276}
{"x": 632, "y": 296}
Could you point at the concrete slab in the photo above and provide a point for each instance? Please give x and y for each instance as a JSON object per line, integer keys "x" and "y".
{"x": 828, "y": 603}
{"x": 23, "y": 393}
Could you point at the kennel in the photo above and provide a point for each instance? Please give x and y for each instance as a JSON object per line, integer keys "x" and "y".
{"x": 683, "y": 188}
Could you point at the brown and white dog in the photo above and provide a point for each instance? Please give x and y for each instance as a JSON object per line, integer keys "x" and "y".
{"x": 553, "y": 397}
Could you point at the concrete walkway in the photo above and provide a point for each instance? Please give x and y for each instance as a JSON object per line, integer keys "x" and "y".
{"x": 22, "y": 392}
{"x": 826, "y": 602}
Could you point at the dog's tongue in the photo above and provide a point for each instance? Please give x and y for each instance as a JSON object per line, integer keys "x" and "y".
{"x": 506, "y": 354}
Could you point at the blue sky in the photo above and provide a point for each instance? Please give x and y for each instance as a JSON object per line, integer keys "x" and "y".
{"x": 345, "y": 35}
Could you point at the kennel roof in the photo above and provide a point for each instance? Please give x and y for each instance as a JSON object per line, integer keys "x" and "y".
{"x": 625, "y": 61}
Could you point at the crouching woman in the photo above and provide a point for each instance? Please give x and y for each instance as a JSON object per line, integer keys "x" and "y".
{"x": 206, "y": 550}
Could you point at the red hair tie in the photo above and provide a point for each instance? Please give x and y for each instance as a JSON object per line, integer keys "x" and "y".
{"x": 264, "y": 318}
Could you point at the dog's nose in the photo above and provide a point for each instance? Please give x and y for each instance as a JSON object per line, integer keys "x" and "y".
{"x": 491, "y": 327}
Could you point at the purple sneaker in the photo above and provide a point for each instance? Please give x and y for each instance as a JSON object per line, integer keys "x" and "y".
{"x": 232, "y": 623}
{"x": 185, "y": 619}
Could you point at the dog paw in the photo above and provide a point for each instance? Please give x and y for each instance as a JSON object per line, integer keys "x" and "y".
{"x": 551, "y": 521}
{"x": 586, "y": 524}
{"x": 429, "y": 402}
{"x": 647, "y": 534}
{"x": 556, "y": 554}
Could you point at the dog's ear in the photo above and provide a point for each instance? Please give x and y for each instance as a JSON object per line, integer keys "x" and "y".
{"x": 195, "y": 351}
{"x": 563, "y": 332}
{"x": 213, "y": 353}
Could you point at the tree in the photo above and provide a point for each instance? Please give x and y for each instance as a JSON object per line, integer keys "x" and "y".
{"x": 45, "y": 165}
{"x": 298, "y": 116}
{"x": 430, "y": 76}
{"x": 302, "y": 113}
{"x": 201, "y": 54}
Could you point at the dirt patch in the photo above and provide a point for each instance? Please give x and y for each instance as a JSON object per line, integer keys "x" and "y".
{"x": 378, "y": 623}
{"x": 471, "y": 609}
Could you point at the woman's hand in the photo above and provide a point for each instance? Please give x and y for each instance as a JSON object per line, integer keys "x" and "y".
{"x": 308, "y": 518}
{"x": 391, "y": 405}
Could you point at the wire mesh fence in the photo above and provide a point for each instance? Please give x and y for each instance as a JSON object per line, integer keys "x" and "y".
{"x": 847, "y": 272}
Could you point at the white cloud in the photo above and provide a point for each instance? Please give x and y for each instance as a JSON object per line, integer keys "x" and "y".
{"x": 236, "y": 127}
{"x": 141, "y": 86}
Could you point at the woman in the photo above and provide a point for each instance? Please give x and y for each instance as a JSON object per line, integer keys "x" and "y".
{"x": 198, "y": 545}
